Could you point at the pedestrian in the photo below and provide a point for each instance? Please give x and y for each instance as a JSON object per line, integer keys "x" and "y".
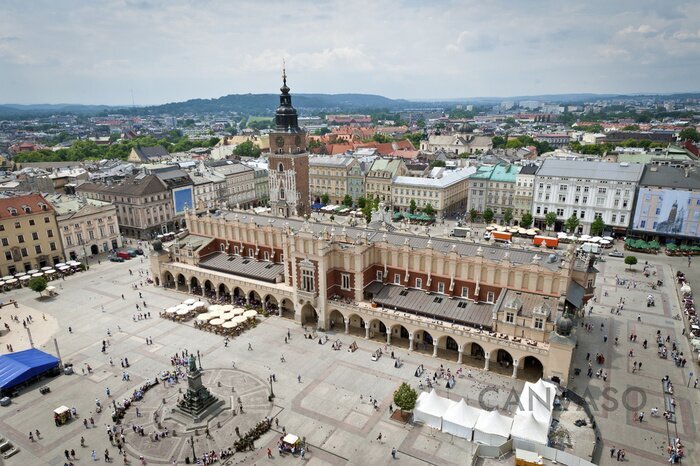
{"x": 641, "y": 416}
{"x": 94, "y": 455}
{"x": 299, "y": 378}
{"x": 393, "y": 452}
{"x": 391, "y": 408}
{"x": 250, "y": 347}
{"x": 612, "y": 451}
{"x": 107, "y": 459}
{"x": 67, "y": 453}
{"x": 269, "y": 453}
{"x": 639, "y": 366}
{"x": 695, "y": 385}
{"x": 31, "y": 436}
{"x": 289, "y": 334}
{"x": 72, "y": 451}
{"x": 379, "y": 437}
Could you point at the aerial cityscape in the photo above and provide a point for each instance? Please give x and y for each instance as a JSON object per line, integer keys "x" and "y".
{"x": 449, "y": 233}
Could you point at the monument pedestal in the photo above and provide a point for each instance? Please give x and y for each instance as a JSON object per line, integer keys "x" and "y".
{"x": 198, "y": 404}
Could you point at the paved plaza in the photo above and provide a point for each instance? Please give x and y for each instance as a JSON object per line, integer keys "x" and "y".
{"x": 326, "y": 407}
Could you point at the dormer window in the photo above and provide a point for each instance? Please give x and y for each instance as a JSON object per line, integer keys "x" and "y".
{"x": 12, "y": 210}
{"x": 43, "y": 206}
{"x": 26, "y": 209}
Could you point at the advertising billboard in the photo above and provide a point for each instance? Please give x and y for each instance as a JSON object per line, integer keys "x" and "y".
{"x": 667, "y": 212}
{"x": 183, "y": 199}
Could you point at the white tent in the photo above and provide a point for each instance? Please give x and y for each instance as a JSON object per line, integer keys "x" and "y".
{"x": 538, "y": 399}
{"x": 527, "y": 427}
{"x": 492, "y": 428}
{"x": 460, "y": 419}
{"x": 430, "y": 408}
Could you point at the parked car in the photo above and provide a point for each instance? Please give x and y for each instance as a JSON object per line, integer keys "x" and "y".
{"x": 616, "y": 253}
{"x": 123, "y": 254}
{"x": 116, "y": 259}
{"x": 131, "y": 252}
{"x": 139, "y": 251}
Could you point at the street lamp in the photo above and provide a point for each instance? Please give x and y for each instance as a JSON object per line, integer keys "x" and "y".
{"x": 194, "y": 455}
{"x": 272, "y": 393}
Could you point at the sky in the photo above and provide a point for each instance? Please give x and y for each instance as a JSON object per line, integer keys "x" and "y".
{"x": 105, "y": 51}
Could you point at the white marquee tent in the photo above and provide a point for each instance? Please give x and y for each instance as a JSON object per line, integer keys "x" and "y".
{"x": 492, "y": 428}
{"x": 460, "y": 419}
{"x": 527, "y": 427}
{"x": 538, "y": 399}
{"x": 430, "y": 408}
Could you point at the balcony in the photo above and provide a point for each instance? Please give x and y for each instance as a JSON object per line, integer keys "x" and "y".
{"x": 310, "y": 296}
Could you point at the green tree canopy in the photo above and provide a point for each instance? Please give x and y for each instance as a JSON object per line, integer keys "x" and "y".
{"x": 325, "y": 198}
{"x": 597, "y": 226}
{"x": 380, "y": 138}
{"x": 498, "y": 142}
{"x": 361, "y": 201}
{"x": 412, "y": 206}
{"x": 415, "y": 139}
{"x": 508, "y": 216}
{"x": 247, "y": 149}
{"x": 690, "y": 133}
{"x": 37, "y": 284}
{"x": 437, "y": 163}
{"x": 630, "y": 261}
{"x": 550, "y": 219}
{"x": 526, "y": 220}
{"x": 405, "y": 397}
{"x": 367, "y": 211}
{"x": 572, "y": 223}
{"x": 428, "y": 209}
{"x": 473, "y": 215}
{"x": 347, "y": 200}
{"x": 488, "y": 215}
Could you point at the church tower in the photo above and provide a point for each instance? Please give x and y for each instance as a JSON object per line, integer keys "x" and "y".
{"x": 288, "y": 162}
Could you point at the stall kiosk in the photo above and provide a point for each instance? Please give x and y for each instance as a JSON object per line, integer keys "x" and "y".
{"x": 61, "y": 415}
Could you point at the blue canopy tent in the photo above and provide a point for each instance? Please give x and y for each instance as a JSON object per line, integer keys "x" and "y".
{"x": 23, "y": 366}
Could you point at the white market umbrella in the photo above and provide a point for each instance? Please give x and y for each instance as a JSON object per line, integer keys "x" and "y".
{"x": 37, "y": 275}
{"x": 604, "y": 242}
{"x": 45, "y": 268}
{"x": 213, "y": 307}
{"x": 8, "y": 277}
{"x": 64, "y": 268}
{"x": 11, "y": 281}
{"x": 238, "y": 311}
{"x": 171, "y": 310}
{"x": 200, "y": 304}
{"x": 229, "y": 325}
{"x": 24, "y": 278}
{"x": 33, "y": 271}
{"x": 249, "y": 314}
{"x": 238, "y": 320}
{"x": 205, "y": 317}
{"x": 182, "y": 312}
{"x": 227, "y": 315}
{"x": 50, "y": 271}
{"x": 595, "y": 239}
{"x": 2, "y": 282}
{"x": 227, "y": 307}
{"x": 608, "y": 238}
{"x": 217, "y": 321}
{"x": 189, "y": 301}
{"x": 60, "y": 264}
{"x": 19, "y": 274}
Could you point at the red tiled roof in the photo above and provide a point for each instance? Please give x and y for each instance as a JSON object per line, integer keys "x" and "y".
{"x": 32, "y": 201}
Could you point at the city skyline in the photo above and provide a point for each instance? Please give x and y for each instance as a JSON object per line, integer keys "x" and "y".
{"x": 102, "y": 52}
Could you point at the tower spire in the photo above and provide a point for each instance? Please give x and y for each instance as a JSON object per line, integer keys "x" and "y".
{"x": 284, "y": 72}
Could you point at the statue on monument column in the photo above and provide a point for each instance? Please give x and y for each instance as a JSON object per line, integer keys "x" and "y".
{"x": 193, "y": 364}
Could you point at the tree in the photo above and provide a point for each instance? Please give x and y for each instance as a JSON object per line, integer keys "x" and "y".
{"x": 415, "y": 139}
{"x": 473, "y": 215}
{"x": 313, "y": 144}
{"x": 526, "y": 220}
{"x": 325, "y": 198}
{"x": 597, "y": 226}
{"x": 689, "y": 133}
{"x": 630, "y": 260}
{"x": 405, "y": 397}
{"x": 37, "y": 284}
{"x": 412, "y": 206}
{"x": 572, "y": 223}
{"x": 247, "y": 149}
{"x": 498, "y": 142}
{"x": 347, "y": 200}
{"x": 488, "y": 215}
{"x": 380, "y": 138}
{"x": 367, "y": 212}
{"x": 428, "y": 209}
{"x": 437, "y": 163}
{"x": 550, "y": 219}
{"x": 508, "y": 216}
{"x": 361, "y": 202}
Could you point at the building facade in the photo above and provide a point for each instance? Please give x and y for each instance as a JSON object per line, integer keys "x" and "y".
{"x": 331, "y": 176}
{"x": 447, "y": 194}
{"x": 380, "y": 178}
{"x": 479, "y": 305}
{"x": 28, "y": 234}
{"x": 493, "y": 187}
{"x": 144, "y": 205}
{"x": 87, "y": 226}
{"x": 587, "y": 190}
{"x": 524, "y": 185}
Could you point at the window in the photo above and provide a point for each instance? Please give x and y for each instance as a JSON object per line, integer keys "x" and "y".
{"x": 622, "y": 219}
{"x": 510, "y": 317}
{"x": 397, "y": 278}
{"x": 2, "y": 227}
{"x": 465, "y": 292}
{"x": 20, "y": 238}
{"x": 250, "y": 252}
{"x": 583, "y": 214}
{"x": 441, "y": 287}
{"x": 379, "y": 275}
{"x": 539, "y": 323}
{"x": 49, "y": 233}
{"x": 17, "y": 225}
{"x": 538, "y": 210}
{"x": 52, "y": 245}
{"x": 235, "y": 249}
{"x": 590, "y": 283}
{"x": 602, "y": 190}
{"x": 307, "y": 280}
{"x": 419, "y": 283}
{"x": 490, "y": 296}
{"x": 597, "y": 215}
{"x": 5, "y": 242}
{"x": 8, "y": 255}
{"x": 614, "y": 218}
{"x": 266, "y": 255}
{"x": 69, "y": 240}
{"x": 32, "y": 222}
{"x": 37, "y": 248}
{"x": 24, "y": 252}
{"x": 345, "y": 281}
{"x": 560, "y": 212}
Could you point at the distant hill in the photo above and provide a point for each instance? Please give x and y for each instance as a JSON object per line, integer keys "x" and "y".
{"x": 18, "y": 110}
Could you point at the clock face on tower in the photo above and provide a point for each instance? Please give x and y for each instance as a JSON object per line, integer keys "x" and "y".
{"x": 297, "y": 140}
{"x": 279, "y": 141}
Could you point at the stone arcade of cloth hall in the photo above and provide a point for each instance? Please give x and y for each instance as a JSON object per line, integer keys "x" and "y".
{"x": 483, "y": 306}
